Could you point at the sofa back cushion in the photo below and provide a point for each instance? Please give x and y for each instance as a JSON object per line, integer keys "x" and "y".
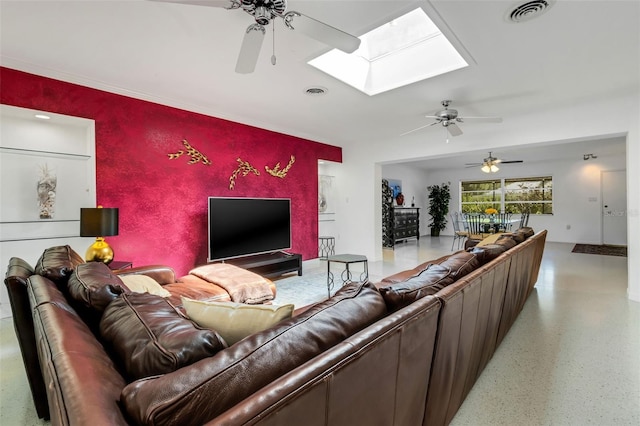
{"x": 461, "y": 263}
{"x": 429, "y": 281}
{"x": 149, "y": 336}
{"x": 197, "y": 393}
{"x": 517, "y": 237}
{"x": 487, "y": 253}
{"x": 405, "y": 275}
{"x": 527, "y": 231}
{"x": 93, "y": 286}
{"x": 57, "y": 263}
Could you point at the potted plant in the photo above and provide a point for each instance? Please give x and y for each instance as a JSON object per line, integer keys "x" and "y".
{"x": 439, "y": 197}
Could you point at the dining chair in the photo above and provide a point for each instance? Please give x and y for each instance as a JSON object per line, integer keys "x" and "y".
{"x": 524, "y": 219}
{"x": 504, "y": 222}
{"x": 459, "y": 231}
{"x": 477, "y": 224}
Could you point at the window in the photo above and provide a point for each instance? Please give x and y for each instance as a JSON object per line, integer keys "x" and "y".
{"x": 477, "y": 196}
{"x": 518, "y": 195}
{"x": 529, "y": 194}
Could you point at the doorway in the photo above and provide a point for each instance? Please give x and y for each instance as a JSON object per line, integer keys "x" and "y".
{"x": 614, "y": 207}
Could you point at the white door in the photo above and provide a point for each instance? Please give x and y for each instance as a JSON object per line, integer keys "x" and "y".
{"x": 614, "y": 207}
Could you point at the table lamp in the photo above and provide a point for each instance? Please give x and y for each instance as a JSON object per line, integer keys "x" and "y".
{"x": 99, "y": 222}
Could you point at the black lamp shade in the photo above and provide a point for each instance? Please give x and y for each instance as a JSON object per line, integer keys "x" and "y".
{"x": 98, "y": 222}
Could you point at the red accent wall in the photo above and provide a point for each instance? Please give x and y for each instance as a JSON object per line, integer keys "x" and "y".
{"x": 162, "y": 201}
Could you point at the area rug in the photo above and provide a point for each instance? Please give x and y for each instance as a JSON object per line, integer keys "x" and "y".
{"x": 310, "y": 288}
{"x": 604, "y": 250}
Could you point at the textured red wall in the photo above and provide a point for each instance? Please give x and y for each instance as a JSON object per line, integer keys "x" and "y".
{"x": 162, "y": 201}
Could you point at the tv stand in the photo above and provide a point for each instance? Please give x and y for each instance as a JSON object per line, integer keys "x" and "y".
{"x": 271, "y": 264}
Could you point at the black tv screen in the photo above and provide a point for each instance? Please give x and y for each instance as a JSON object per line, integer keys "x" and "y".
{"x": 246, "y": 226}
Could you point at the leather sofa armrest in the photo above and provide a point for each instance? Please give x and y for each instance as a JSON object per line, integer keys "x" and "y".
{"x": 161, "y": 273}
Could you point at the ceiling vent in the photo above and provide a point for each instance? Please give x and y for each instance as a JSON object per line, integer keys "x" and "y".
{"x": 529, "y": 10}
{"x": 315, "y": 91}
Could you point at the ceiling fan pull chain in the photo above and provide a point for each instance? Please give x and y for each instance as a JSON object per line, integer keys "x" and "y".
{"x": 273, "y": 56}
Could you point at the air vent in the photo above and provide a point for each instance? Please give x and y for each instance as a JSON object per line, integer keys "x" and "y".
{"x": 315, "y": 91}
{"x": 529, "y": 10}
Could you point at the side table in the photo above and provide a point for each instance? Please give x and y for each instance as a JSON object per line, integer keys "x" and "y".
{"x": 326, "y": 247}
{"x": 345, "y": 275}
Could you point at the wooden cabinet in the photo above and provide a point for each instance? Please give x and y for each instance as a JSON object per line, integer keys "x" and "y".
{"x": 406, "y": 223}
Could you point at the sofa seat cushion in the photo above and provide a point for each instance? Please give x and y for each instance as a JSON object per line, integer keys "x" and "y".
{"x": 57, "y": 263}
{"x": 93, "y": 286}
{"x": 195, "y": 288}
{"x": 235, "y": 321}
{"x": 429, "y": 281}
{"x": 149, "y": 336}
{"x": 197, "y": 393}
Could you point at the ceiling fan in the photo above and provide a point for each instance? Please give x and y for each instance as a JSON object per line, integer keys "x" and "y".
{"x": 264, "y": 11}
{"x": 449, "y": 118}
{"x": 490, "y": 164}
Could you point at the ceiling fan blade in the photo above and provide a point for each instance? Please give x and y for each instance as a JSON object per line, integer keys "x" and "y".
{"x": 481, "y": 119}
{"x": 473, "y": 164}
{"x": 419, "y": 128}
{"x": 211, "y": 3}
{"x": 453, "y": 129}
{"x": 322, "y": 32}
{"x": 250, "y": 50}
{"x": 512, "y": 161}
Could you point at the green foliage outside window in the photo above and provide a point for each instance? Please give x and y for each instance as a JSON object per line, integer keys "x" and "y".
{"x": 534, "y": 195}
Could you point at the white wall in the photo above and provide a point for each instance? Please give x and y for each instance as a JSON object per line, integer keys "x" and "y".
{"x": 361, "y": 172}
{"x": 68, "y": 145}
{"x": 328, "y": 221}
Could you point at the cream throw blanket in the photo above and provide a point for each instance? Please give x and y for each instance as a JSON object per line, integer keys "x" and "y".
{"x": 243, "y": 286}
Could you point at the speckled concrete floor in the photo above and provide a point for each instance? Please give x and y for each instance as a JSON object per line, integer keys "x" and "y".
{"x": 571, "y": 358}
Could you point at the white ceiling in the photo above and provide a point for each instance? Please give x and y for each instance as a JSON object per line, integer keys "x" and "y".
{"x": 184, "y": 56}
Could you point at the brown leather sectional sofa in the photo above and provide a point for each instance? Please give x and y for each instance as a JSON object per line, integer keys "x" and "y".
{"x": 404, "y": 351}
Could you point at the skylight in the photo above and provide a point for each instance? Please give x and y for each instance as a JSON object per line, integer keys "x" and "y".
{"x": 407, "y": 49}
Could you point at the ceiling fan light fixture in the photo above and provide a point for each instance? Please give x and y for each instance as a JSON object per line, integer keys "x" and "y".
{"x": 488, "y": 167}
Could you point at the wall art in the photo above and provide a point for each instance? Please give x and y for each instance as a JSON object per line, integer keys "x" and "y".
{"x": 196, "y": 156}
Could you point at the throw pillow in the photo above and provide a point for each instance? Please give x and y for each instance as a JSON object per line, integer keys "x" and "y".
{"x": 144, "y": 284}
{"x": 57, "y": 263}
{"x": 235, "y": 321}
{"x": 149, "y": 336}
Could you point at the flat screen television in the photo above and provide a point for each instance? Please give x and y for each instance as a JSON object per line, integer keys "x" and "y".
{"x": 248, "y": 226}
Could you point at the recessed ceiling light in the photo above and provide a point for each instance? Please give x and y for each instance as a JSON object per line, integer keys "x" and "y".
{"x": 406, "y": 49}
{"x": 42, "y": 117}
